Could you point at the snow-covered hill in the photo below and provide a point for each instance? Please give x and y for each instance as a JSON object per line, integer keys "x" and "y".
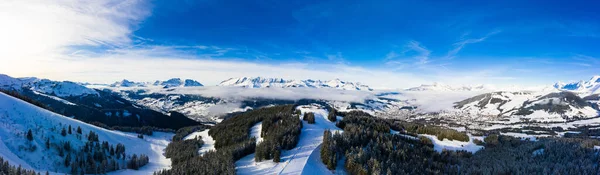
{"x": 495, "y": 103}
{"x": 259, "y": 82}
{"x": 529, "y": 106}
{"x": 17, "y": 117}
{"x": 591, "y": 86}
{"x": 45, "y": 86}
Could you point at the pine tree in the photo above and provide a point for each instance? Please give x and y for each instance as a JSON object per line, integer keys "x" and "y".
{"x": 48, "y": 143}
{"x": 68, "y": 160}
{"x": 29, "y": 135}
{"x": 63, "y": 132}
{"x": 79, "y": 130}
{"x": 332, "y": 115}
{"x": 277, "y": 156}
{"x": 69, "y": 131}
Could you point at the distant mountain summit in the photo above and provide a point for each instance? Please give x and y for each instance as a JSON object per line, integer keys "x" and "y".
{"x": 177, "y": 82}
{"x": 173, "y": 82}
{"x": 444, "y": 87}
{"x": 260, "y": 82}
{"x": 591, "y": 86}
{"x": 127, "y": 83}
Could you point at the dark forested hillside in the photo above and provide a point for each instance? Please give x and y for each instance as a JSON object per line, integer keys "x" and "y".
{"x": 109, "y": 109}
{"x": 369, "y": 148}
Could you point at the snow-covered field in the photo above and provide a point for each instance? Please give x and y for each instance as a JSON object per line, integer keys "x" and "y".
{"x": 17, "y": 116}
{"x": 453, "y": 145}
{"x": 209, "y": 142}
{"x": 304, "y": 158}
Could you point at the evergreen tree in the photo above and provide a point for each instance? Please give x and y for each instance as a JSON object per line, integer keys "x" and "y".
{"x": 68, "y": 160}
{"x": 29, "y": 135}
{"x": 332, "y": 115}
{"x": 48, "y": 143}
{"x": 69, "y": 131}
{"x": 79, "y": 130}
{"x": 277, "y": 156}
{"x": 63, "y": 132}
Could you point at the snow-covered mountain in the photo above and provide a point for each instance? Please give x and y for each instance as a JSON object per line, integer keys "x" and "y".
{"x": 127, "y": 83}
{"x": 177, "y": 82}
{"x": 45, "y": 86}
{"x": 45, "y": 150}
{"x": 591, "y": 86}
{"x": 173, "y": 82}
{"x": 444, "y": 87}
{"x": 529, "y": 106}
{"x": 259, "y": 82}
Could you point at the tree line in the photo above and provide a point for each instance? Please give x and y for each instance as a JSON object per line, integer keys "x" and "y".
{"x": 366, "y": 147}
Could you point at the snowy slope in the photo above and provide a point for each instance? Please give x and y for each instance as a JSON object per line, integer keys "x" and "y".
{"x": 259, "y": 82}
{"x": 496, "y": 103}
{"x": 453, "y": 145}
{"x": 60, "y": 89}
{"x": 209, "y": 142}
{"x": 16, "y": 117}
{"x": 591, "y": 86}
{"x": 301, "y": 159}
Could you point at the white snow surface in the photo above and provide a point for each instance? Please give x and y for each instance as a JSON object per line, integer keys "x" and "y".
{"x": 16, "y": 117}
{"x": 453, "y": 145}
{"x": 209, "y": 142}
{"x": 55, "y": 98}
{"x": 304, "y": 158}
{"x": 255, "y": 132}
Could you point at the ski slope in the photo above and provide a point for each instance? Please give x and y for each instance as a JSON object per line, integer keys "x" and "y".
{"x": 16, "y": 117}
{"x": 304, "y": 158}
{"x": 209, "y": 142}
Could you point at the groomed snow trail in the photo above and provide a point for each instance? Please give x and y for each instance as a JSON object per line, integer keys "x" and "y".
{"x": 300, "y": 160}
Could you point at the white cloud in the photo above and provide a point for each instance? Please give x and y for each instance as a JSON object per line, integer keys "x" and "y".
{"x": 35, "y": 32}
{"x": 144, "y": 65}
{"x": 422, "y": 52}
{"x": 240, "y": 93}
{"x": 92, "y": 41}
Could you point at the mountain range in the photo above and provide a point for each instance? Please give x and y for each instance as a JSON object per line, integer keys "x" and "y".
{"x": 182, "y": 103}
{"x": 259, "y": 82}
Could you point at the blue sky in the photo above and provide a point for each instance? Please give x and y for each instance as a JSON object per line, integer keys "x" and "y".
{"x": 411, "y": 42}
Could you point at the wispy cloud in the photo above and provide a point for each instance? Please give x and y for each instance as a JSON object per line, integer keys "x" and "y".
{"x": 413, "y": 52}
{"x": 464, "y": 42}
